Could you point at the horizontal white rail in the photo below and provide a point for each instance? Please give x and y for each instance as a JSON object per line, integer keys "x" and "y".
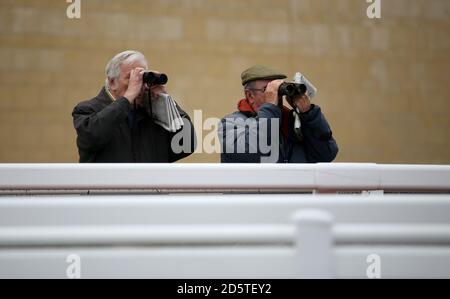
{"x": 218, "y": 235}
{"x": 164, "y": 210}
{"x": 210, "y": 177}
{"x": 204, "y": 263}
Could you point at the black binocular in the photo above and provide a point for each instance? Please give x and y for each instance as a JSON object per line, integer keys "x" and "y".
{"x": 292, "y": 90}
{"x": 152, "y": 78}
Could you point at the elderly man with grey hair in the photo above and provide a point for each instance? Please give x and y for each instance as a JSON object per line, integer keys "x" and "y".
{"x": 117, "y": 126}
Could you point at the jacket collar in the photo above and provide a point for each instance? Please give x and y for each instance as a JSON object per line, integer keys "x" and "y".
{"x": 104, "y": 97}
{"x": 108, "y": 92}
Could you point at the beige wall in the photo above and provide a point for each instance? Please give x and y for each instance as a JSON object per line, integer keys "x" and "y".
{"x": 383, "y": 84}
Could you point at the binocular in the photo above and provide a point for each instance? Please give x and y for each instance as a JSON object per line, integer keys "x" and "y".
{"x": 152, "y": 78}
{"x": 292, "y": 90}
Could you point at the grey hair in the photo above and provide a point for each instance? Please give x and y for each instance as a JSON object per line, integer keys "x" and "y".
{"x": 113, "y": 67}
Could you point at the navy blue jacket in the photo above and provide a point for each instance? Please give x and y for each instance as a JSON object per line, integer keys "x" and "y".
{"x": 316, "y": 145}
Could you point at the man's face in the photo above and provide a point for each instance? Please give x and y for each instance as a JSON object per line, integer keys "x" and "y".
{"x": 120, "y": 85}
{"x": 255, "y": 95}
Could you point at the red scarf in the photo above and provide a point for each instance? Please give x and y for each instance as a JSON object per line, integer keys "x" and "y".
{"x": 245, "y": 107}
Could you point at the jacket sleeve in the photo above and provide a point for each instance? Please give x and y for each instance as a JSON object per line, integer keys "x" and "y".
{"x": 243, "y": 140}
{"x": 95, "y": 128}
{"x": 187, "y": 141}
{"x": 319, "y": 143}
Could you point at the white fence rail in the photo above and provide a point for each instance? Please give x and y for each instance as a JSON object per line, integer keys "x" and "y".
{"x": 226, "y": 236}
{"x": 228, "y": 178}
{"x": 216, "y": 235}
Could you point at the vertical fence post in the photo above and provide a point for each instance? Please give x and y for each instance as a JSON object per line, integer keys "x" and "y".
{"x": 314, "y": 244}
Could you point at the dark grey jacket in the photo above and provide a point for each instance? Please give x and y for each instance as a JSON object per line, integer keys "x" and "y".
{"x": 112, "y": 132}
{"x": 316, "y": 145}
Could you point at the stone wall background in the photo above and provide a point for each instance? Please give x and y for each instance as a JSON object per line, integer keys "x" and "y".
{"x": 383, "y": 84}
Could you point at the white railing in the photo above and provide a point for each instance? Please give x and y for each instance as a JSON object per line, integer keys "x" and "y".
{"x": 161, "y": 178}
{"x": 226, "y": 236}
{"x": 135, "y": 227}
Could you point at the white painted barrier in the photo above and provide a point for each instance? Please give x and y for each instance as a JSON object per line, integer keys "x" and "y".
{"x": 226, "y": 236}
{"x": 167, "y": 178}
{"x": 224, "y": 221}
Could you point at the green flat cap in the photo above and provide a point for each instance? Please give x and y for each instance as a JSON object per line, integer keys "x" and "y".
{"x": 260, "y": 72}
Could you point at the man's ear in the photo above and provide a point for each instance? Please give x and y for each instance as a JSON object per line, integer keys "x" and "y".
{"x": 112, "y": 84}
{"x": 248, "y": 95}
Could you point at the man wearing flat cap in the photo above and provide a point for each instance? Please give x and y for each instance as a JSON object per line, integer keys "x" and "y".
{"x": 265, "y": 131}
